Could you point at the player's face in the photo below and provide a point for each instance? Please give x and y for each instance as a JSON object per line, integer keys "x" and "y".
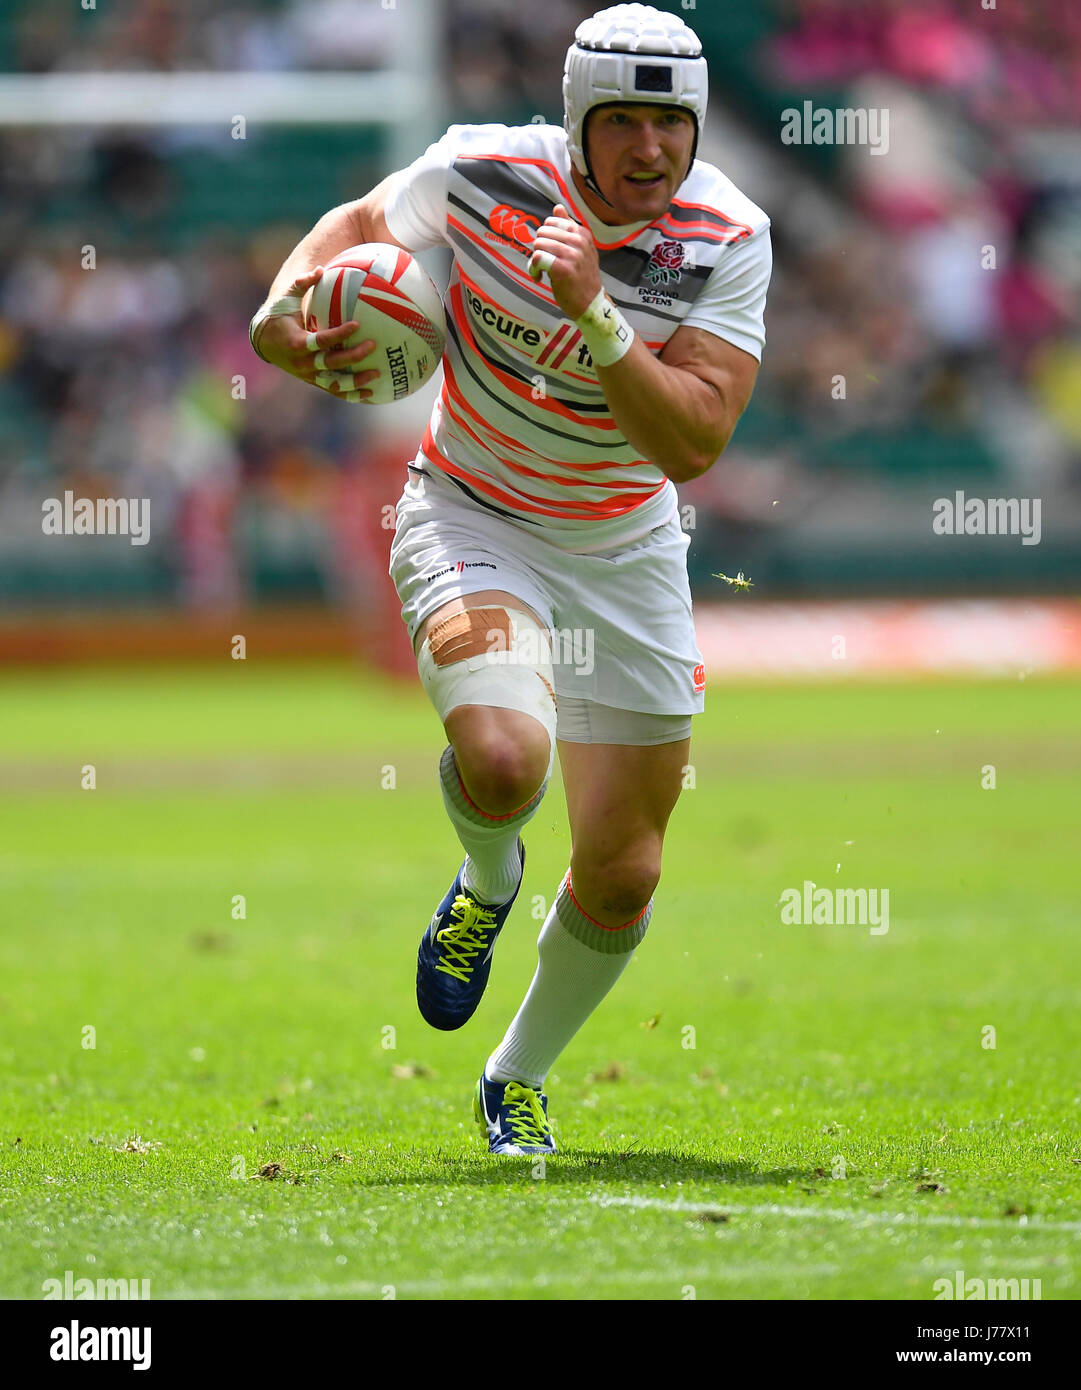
{"x": 640, "y": 156}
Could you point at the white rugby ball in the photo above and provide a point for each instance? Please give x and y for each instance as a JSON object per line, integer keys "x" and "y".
{"x": 396, "y": 303}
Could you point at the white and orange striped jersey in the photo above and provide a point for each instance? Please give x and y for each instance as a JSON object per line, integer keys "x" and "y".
{"x": 522, "y": 425}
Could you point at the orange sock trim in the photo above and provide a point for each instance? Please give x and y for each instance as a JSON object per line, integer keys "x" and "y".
{"x": 597, "y": 924}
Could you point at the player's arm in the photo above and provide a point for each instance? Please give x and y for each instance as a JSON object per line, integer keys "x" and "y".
{"x": 678, "y": 410}
{"x": 282, "y": 339}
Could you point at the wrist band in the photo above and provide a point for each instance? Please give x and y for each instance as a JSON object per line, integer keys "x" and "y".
{"x": 287, "y": 304}
{"x": 605, "y": 332}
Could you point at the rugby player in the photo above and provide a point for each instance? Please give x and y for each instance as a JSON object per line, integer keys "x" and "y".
{"x": 605, "y": 325}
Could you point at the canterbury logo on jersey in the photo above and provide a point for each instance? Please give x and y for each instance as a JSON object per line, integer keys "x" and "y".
{"x": 513, "y": 225}
{"x": 560, "y": 350}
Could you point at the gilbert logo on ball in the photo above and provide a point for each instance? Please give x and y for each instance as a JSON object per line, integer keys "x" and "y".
{"x": 397, "y": 305}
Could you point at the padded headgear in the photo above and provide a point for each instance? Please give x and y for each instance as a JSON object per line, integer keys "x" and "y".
{"x": 631, "y": 53}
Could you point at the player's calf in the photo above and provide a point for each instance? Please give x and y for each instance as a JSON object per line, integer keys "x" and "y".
{"x": 488, "y": 671}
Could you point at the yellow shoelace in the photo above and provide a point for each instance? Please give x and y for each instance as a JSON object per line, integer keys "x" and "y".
{"x": 528, "y": 1122}
{"x": 464, "y": 939}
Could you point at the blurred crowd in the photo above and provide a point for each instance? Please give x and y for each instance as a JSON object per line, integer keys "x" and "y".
{"x": 942, "y": 286}
{"x": 1005, "y": 66}
{"x": 498, "y": 52}
{"x": 939, "y": 284}
{"x": 137, "y": 380}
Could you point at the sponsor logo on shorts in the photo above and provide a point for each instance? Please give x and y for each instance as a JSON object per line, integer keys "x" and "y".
{"x": 459, "y": 568}
{"x": 699, "y": 678}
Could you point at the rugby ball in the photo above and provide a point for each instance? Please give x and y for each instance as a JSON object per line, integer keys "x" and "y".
{"x": 396, "y": 303}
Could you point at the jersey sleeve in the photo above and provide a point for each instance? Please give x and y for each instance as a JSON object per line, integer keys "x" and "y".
{"x": 732, "y": 305}
{"x": 416, "y": 205}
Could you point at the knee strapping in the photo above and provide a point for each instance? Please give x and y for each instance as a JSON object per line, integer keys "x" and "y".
{"x": 491, "y": 656}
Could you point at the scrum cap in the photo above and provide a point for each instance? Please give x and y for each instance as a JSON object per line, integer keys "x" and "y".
{"x": 631, "y": 53}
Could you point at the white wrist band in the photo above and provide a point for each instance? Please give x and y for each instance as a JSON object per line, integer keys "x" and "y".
{"x": 606, "y": 332}
{"x": 287, "y": 304}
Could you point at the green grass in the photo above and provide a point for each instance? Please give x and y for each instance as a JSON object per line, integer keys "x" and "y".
{"x": 230, "y": 1044}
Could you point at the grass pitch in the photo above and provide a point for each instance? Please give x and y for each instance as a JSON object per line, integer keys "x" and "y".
{"x": 758, "y": 1110}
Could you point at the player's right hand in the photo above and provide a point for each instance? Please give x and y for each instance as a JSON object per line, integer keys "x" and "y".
{"x": 284, "y": 341}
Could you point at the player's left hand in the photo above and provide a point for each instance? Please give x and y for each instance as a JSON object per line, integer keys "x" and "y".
{"x": 564, "y": 250}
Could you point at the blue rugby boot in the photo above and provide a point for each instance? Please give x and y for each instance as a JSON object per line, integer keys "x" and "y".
{"x": 455, "y": 955}
{"x": 514, "y": 1117}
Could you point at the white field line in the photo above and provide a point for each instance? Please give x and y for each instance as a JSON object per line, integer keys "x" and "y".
{"x": 876, "y": 1218}
{"x": 673, "y": 1275}
{"x": 676, "y": 1276}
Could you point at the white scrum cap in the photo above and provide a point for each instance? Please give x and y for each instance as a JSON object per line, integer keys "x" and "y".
{"x": 631, "y": 53}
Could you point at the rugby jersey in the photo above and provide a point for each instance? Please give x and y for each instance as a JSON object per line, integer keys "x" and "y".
{"x": 522, "y": 425}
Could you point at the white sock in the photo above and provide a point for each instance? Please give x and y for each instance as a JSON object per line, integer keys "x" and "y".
{"x": 493, "y": 864}
{"x": 580, "y": 961}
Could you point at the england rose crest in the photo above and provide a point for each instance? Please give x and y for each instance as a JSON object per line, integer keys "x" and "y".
{"x": 666, "y": 264}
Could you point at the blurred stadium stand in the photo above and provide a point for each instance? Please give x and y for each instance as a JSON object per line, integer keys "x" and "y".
{"x": 118, "y": 382}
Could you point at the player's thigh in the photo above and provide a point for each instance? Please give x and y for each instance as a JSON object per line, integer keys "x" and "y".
{"x": 620, "y": 796}
{"x": 499, "y": 749}
{"x": 484, "y": 598}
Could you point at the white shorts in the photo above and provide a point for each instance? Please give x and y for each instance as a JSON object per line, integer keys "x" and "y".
{"x": 621, "y": 621}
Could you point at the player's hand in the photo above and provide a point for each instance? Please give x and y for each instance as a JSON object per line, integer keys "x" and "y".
{"x": 564, "y": 250}
{"x": 317, "y": 358}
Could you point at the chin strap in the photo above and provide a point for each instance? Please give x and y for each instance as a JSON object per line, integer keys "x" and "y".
{"x": 594, "y": 187}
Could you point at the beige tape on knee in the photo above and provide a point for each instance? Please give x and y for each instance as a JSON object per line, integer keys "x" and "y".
{"x": 490, "y": 656}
